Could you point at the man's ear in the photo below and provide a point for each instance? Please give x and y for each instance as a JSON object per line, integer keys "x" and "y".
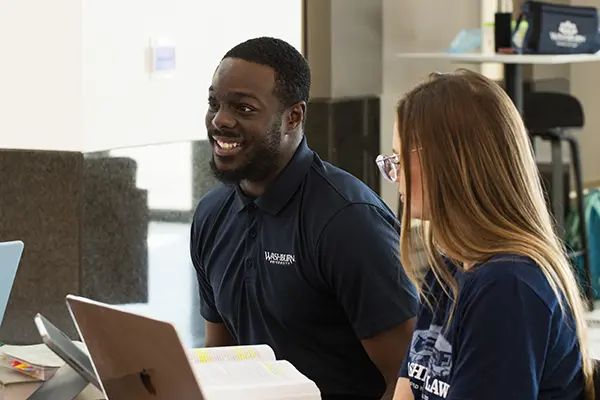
{"x": 296, "y": 115}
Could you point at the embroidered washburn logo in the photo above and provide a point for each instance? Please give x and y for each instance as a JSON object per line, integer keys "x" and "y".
{"x": 279, "y": 258}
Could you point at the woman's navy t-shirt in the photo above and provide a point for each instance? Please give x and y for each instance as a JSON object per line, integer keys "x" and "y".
{"x": 508, "y": 338}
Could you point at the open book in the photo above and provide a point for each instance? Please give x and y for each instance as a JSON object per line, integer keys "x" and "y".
{"x": 249, "y": 372}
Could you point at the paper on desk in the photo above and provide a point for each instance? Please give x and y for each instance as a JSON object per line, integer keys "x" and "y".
{"x": 38, "y": 354}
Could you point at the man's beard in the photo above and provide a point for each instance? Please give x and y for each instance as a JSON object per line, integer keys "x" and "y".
{"x": 262, "y": 159}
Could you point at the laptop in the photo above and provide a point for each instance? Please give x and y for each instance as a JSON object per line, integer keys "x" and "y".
{"x": 135, "y": 357}
{"x": 10, "y": 256}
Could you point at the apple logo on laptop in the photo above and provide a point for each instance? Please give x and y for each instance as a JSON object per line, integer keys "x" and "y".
{"x": 147, "y": 382}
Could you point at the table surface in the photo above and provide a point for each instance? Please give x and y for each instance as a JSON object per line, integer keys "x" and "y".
{"x": 478, "y": 58}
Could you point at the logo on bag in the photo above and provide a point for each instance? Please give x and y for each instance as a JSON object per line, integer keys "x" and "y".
{"x": 567, "y": 35}
{"x": 279, "y": 258}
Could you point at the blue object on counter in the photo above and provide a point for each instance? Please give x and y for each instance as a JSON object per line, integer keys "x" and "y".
{"x": 466, "y": 41}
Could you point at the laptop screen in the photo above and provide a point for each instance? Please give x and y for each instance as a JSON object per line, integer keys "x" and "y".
{"x": 10, "y": 256}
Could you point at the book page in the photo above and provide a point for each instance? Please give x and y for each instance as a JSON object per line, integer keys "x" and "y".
{"x": 231, "y": 353}
{"x": 254, "y": 380}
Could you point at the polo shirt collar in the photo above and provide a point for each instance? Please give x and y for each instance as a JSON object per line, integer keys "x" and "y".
{"x": 284, "y": 186}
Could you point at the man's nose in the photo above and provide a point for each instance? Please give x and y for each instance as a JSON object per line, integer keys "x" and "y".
{"x": 223, "y": 119}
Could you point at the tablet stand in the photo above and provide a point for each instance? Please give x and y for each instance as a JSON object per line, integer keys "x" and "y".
{"x": 65, "y": 384}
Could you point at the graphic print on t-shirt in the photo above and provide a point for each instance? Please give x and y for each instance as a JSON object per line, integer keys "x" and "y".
{"x": 430, "y": 363}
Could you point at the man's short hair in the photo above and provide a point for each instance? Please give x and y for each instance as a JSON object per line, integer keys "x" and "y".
{"x": 292, "y": 73}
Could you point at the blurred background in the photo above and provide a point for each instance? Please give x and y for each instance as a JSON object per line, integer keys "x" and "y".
{"x": 103, "y": 148}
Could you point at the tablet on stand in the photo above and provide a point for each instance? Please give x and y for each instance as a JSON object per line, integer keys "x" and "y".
{"x": 74, "y": 376}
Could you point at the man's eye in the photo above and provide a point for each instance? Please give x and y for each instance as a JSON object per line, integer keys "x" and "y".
{"x": 245, "y": 108}
{"x": 212, "y": 105}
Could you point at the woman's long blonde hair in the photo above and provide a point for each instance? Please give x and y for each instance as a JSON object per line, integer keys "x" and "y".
{"x": 481, "y": 189}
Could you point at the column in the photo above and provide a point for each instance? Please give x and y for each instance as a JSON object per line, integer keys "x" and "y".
{"x": 344, "y": 50}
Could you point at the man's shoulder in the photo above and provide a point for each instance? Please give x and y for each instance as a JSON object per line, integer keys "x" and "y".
{"x": 213, "y": 201}
{"x": 334, "y": 189}
{"x": 334, "y": 198}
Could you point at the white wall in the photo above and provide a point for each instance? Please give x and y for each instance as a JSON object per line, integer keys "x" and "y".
{"x": 356, "y": 47}
{"x": 122, "y": 105}
{"x": 40, "y": 74}
{"x": 584, "y": 87}
{"x": 416, "y": 26}
{"x": 74, "y": 74}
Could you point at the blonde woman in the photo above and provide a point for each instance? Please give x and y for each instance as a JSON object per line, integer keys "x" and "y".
{"x": 501, "y": 315}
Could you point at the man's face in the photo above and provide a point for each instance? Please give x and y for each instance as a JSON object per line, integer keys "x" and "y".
{"x": 244, "y": 121}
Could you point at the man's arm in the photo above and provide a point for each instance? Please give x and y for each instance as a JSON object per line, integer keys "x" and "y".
{"x": 389, "y": 362}
{"x": 216, "y": 333}
{"x": 359, "y": 258}
{"x": 403, "y": 389}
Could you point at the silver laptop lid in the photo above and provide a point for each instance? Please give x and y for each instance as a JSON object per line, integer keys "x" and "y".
{"x": 134, "y": 356}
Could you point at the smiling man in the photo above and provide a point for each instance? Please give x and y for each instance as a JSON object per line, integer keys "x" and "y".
{"x": 289, "y": 250}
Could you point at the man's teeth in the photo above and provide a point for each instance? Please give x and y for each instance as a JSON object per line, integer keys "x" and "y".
{"x": 228, "y": 145}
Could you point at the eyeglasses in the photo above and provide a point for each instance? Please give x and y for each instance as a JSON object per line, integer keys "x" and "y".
{"x": 389, "y": 166}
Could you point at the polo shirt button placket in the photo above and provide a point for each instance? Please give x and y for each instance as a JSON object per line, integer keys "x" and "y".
{"x": 252, "y": 207}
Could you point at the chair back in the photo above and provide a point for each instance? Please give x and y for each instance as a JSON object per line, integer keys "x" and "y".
{"x": 544, "y": 111}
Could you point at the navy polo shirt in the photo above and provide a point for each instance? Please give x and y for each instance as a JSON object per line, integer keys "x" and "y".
{"x": 309, "y": 268}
